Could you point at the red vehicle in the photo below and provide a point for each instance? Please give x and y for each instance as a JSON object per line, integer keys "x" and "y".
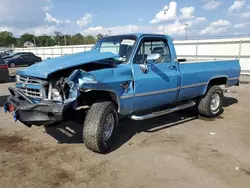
{"x": 4, "y": 71}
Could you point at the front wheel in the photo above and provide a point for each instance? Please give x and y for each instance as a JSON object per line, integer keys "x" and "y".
{"x": 99, "y": 127}
{"x": 211, "y": 104}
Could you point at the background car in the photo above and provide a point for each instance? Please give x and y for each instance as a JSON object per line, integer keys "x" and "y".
{"x": 4, "y": 71}
{"x": 10, "y": 55}
{"x": 23, "y": 59}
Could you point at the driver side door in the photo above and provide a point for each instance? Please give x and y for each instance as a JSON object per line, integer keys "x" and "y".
{"x": 159, "y": 85}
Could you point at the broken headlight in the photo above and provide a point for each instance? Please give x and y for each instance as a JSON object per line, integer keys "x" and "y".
{"x": 56, "y": 95}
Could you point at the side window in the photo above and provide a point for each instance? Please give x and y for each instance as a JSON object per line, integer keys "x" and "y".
{"x": 26, "y": 57}
{"x": 151, "y": 46}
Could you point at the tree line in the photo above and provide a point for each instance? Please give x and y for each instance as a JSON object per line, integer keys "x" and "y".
{"x": 7, "y": 39}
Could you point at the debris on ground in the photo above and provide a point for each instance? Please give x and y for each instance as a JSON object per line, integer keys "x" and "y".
{"x": 211, "y": 133}
{"x": 243, "y": 170}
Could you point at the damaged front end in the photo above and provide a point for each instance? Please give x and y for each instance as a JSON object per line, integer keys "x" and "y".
{"x": 38, "y": 102}
{"x": 44, "y": 96}
{"x": 30, "y": 112}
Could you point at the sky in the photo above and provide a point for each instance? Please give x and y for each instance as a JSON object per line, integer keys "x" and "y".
{"x": 204, "y": 18}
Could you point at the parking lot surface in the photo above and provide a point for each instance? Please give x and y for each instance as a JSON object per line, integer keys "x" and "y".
{"x": 174, "y": 151}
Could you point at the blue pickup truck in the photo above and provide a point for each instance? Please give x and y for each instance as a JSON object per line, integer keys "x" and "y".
{"x": 136, "y": 76}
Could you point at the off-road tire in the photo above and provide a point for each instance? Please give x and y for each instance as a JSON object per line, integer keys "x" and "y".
{"x": 94, "y": 127}
{"x": 204, "y": 106}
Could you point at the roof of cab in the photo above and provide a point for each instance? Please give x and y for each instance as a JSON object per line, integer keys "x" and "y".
{"x": 141, "y": 34}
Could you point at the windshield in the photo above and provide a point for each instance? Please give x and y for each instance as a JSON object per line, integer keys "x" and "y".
{"x": 16, "y": 55}
{"x": 120, "y": 45}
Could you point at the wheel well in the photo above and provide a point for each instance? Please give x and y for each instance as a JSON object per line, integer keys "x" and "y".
{"x": 215, "y": 81}
{"x": 218, "y": 81}
{"x": 90, "y": 97}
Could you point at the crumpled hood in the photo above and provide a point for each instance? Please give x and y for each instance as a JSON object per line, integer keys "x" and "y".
{"x": 44, "y": 68}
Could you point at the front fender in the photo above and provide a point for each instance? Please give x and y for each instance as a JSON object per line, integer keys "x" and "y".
{"x": 112, "y": 80}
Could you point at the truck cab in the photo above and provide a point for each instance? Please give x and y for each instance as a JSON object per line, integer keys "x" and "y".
{"x": 135, "y": 75}
{"x": 157, "y": 77}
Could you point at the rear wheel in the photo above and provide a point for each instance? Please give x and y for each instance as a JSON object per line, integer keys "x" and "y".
{"x": 99, "y": 127}
{"x": 211, "y": 104}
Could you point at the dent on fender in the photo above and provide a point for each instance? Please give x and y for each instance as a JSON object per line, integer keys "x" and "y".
{"x": 118, "y": 81}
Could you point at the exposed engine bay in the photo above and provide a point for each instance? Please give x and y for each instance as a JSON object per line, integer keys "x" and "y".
{"x": 105, "y": 64}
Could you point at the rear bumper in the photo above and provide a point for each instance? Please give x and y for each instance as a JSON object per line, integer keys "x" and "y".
{"x": 31, "y": 113}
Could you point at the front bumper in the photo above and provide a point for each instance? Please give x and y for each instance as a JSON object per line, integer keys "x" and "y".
{"x": 31, "y": 113}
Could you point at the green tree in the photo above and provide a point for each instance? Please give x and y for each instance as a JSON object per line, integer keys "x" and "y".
{"x": 99, "y": 36}
{"x": 89, "y": 39}
{"x": 7, "y": 39}
{"x": 44, "y": 40}
{"x": 76, "y": 39}
{"x": 25, "y": 38}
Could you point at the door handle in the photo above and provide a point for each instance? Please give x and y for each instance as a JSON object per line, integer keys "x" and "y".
{"x": 172, "y": 66}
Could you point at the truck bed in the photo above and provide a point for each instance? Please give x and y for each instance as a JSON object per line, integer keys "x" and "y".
{"x": 197, "y": 74}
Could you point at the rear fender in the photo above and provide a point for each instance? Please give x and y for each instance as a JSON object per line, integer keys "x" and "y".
{"x": 218, "y": 80}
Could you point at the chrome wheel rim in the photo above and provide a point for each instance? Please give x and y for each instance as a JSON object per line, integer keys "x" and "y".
{"x": 215, "y": 102}
{"x": 108, "y": 126}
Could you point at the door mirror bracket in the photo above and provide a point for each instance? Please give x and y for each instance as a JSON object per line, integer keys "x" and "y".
{"x": 150, "y": 57}
{"x": 144, "y": 67}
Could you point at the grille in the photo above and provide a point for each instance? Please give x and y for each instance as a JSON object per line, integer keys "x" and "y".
{"x": 34, "y": 93}
{"x": 27, "y": 80}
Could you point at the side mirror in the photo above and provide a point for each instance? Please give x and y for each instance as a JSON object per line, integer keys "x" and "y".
{"x": 150, "y": 57}
{"x": 153, "y": 57}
